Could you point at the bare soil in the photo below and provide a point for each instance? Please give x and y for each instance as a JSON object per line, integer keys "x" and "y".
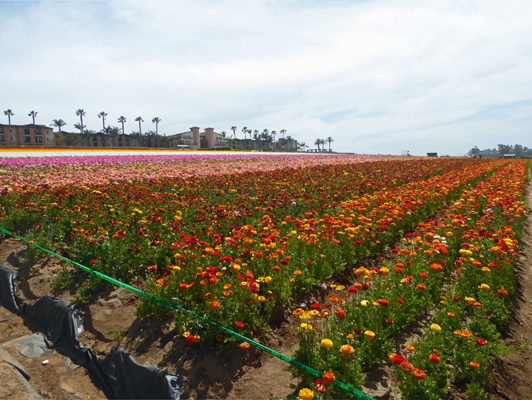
{"x": 110, "y": 322}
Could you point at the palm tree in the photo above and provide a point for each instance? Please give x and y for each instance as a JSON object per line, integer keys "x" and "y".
{"x": 102, "y": 115}
{"x": 87, "y": 133}
{"x": 58, "y": 123}
{"x": 139, "y": 120}
{"x": 81, "y": 128}
{"x": 289, "y": 140}
{"x": 223, "y": 133}
{"x": 245, "y": 131}
{"x": 274, "y": 133}
{"x": 317, "y": 142}
{"x": 135, "y": 137}
{"x": 33, "y": 114}
{"x": 123, "y": 120}
{"x": 113, "y": 131}
{"x": 9, "y": 113}
{"x": 330, "y": 140}
{"x": 233, "y": 128}
{"x": 256, "y": 136}
{"x": 156, "y": 121}
{"x": 265, "y": 135}
{"x": 80, "y": 113}
{"x": 282, "y": 132}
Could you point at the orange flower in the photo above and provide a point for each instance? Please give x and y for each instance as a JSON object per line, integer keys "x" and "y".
{"x": 329, "y": 378}
{"x": 347, "y": 350}
{"x": 436, "y": 267}
{"x": 433, "y": 358}
{"x": 340, "y": 314}
{"x": 406, "y": 366}
{"x": 214, "y": 305}
{"x": 474, "y": 364}
{"x": 418, "y": 374}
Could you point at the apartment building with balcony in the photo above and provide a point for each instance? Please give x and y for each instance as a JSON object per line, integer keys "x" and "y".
{"x": 26, "y": 135}
{"x": 194, "y": 139}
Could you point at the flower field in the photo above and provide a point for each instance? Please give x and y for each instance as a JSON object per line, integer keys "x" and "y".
{"x": 240, "y": 238}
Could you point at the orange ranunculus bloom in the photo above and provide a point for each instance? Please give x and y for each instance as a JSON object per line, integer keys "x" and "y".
{"x": 406, "y": 366}
{"x": 214, "y": 305}
{"x": 347, "y": 350}
{"x": 433, "y": 358}
{"x": 474, "y": 364}
{"x": 329, "y": 378}
{"x": 418, "y": 374}
{"x": 436, "y": 267}
{"x": 340, "y": 314}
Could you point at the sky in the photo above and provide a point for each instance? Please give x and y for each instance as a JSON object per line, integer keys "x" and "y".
{"x": 377, "y": 76}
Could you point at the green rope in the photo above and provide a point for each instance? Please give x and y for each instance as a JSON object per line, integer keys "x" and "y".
{"x": 174, "y": 306}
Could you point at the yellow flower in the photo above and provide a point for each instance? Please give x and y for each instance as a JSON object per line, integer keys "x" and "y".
{"x": 435, "y": 328}
{"x": 364, "y": 303}
{"x": 469, "y": 299}
{"x": 306, "y": 394}
{"x": 326, "y": 343}
{"x": 305, "y": 327}
{"x": 485, "y": 287}
{"x": 370, "y": 335}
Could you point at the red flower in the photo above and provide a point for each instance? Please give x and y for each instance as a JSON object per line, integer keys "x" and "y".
{"x": 240, "y": 325}
{"x": 191, "y": 339}
{"x": 389, "y": 321}
{"x": 481, "y": 342}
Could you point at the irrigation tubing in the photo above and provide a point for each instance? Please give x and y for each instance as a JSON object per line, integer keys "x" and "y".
{"x": 175, "y": 306}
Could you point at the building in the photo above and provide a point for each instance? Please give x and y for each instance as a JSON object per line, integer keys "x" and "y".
{"x": 194, "y": 139}
{"x": 26, "y": 135}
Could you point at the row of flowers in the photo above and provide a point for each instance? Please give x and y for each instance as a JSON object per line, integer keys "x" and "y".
{"x": 237, "y": 239}
{"x": 457, "y": 266}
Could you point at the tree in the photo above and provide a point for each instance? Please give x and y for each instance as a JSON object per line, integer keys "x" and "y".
{"x": 317, "y": 142}
{"x": 87, "y": 134}
{"x": 274, "y": 133}
{"x": 123, "y": 120}
{"x": 136, "y": 138}
{"x": 282, "y": 132}
{"x": 156, "y": 121}
{"x": 9, "y": 114}
{"x": 58, "y": 123}
{"x": 474, "y": 152}
{"x": 81, "y": 128}
{"x": 223, "y": 133}
{"x": 80, "y": 113}
{"x": 233, "y": 128}
{"x": 102, "y": 115}
{"x": 113, "y": 131}
{"x": 330, "y": 140}
{"x": 140, "y": 121}
{"x": 33, "y": 115}
{"x": 504, "y": 149}
{"x": 71, "y": 139}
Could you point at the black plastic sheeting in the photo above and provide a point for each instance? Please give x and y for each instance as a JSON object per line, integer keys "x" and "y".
{"x": 8, "y": 289}
{"x": 130, "y": 380}
{"x": 118, "y": 376}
